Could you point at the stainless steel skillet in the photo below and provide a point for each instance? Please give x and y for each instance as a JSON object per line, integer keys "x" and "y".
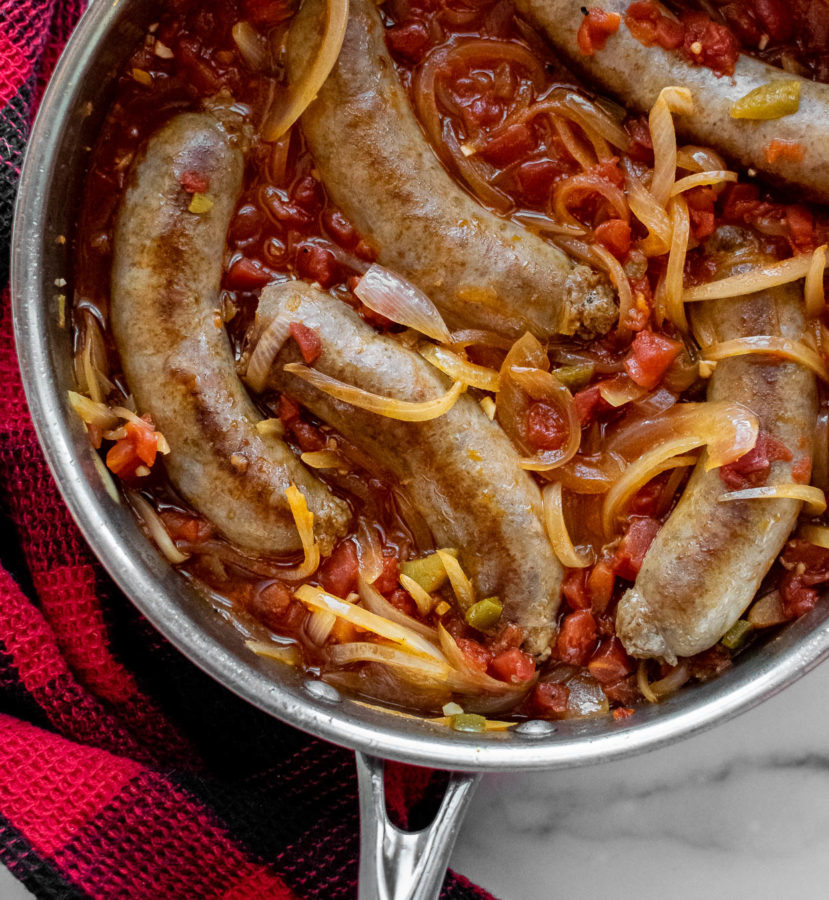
{"x": 394, "y": 864}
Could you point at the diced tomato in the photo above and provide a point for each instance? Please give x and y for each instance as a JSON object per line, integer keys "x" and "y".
{"x": 549, "y": 699}
{"x": 651, "y": 27}
{"x": 475, "y": 653}
{"x": 194, "y": 182}
{"x": 775, "y": 19}
{"x": 577, "y": 638}
{"x": 247, "y": 275}
{"x": 608, "y": 170}
{"x": 641, "y": 142}
{"x": 139, "y": 446}
{"x": 625, "y": 691}
{"x": 651, "y": 355}
{"x": 596, "y": 27}
{"x": 740, "y": 202}
{"x": 536, "y": 179}
{"x": 308, "y": 436}
{"x": 409, "y": 40}
{"x": 338, "y": 574}
{"x": 509, "y": 145}
{"x": 588, "y": 403}
{"x": 614, "y": 235}
{"x": 707, "y": 43}
{"x": 801, "y": 227}
{"x": 788, "y": 151}
{"x": 599, "y": 586}
{"x": 121, "y": 458}
{"x": 574, "y": 589}
{"x": 288, "y": 410}
{"x": 270, "y": 603}
{"x": 183, "y": 527}
{"x": 513, "y": 666}
{"x": 267, "y": 13}
{"x": 387, "y": 580}
{"x": 310, "y": 345}
{"x": 701, "y": 209}
{"x": 342, "y": 632}
{"x": 622, "y": 712}
{"x": 145, "y": 440}
{"x": 403, "y": 601}
{"x": 317, "y": 264}
{"x": 634, "y": 545}
{"x": 806, "y": 565}
{"x": 752, "y": 468}
{"x": 610, "y": 663}
{"x": 546, "y": 428}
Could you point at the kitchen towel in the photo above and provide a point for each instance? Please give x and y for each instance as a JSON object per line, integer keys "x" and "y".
{"x": 125, "y": 772}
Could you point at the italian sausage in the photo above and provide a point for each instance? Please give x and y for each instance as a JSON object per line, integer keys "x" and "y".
{"x": 636, "y": 74}
{"x": 175, "y": 351}
{"x": 460, "y": 470}
{"x": 481, "y": 270}
{"x": 707, "y": 562}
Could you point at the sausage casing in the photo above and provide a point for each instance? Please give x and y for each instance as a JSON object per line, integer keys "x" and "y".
{"x": 481, "y": 270}
{"x": 707, "y": 562}
{"x": 459, "y": 470}
{"x": 176, "y": 353}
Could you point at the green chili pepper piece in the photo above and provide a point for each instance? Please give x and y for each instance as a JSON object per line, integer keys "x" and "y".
{"x": 769, "y": 101}
{"x": 737, "y": 635}
{"x": 469, "y": 722}
{"x": 484, "y": 614}
{"x": 427, "y": 571}
{"x": 575, "y": 376}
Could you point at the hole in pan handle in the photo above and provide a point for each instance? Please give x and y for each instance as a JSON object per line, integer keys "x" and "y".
{"x": 406, "y": 865}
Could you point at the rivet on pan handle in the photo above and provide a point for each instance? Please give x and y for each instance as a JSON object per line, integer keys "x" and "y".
{"x": 406, "y": 865}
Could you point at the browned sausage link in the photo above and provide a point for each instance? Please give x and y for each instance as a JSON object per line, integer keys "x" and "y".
{"x": 460, "y": 470}
{"x": 480, "y": 270}
{"x": 175, "y": 351}
{"x": 707, "y": 562}
{"x": 636, "y": 74}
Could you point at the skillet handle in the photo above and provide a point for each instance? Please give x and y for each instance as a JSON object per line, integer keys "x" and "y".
{"x": 406, "y": 865}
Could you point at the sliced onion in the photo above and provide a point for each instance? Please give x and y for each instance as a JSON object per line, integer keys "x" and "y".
{"x": 543, "y": 224}
{"x": 320, "y": 625}
{"x": 524, "y": 378}
{"x": 424, "y": 600}
{"x": 322, "y": 459}
{"x": 252, "y": 45}
{"x": 461, "y": 585}
{"x": 284, "y": 653}
{"x": 156, "y": 528}
{"x": 815, "y": 534}
{"x": 466, "y": 678}
{"x": 653, "y": 216}
{"x": 619, "y": 280}
{"x": 369, "y": 552}
{"x": 315, "y": 598}
{"x": 267, "y": 347}
{"x": 772, "y": 345}
{"x": 487, "y": 404}
{"x": 308, "y": 85}
{"x": 667, "y": 456}
{"x": 759, "y": 279}
{"x": 813, "y": 497}
{"x": 672, "y": 682}
{"x": 643, "y": 684}
{"x": 459, "y": 369}
{"x": 402, "y": 410}
{"x": 576, "y": 186}
{"x": 681, "y": 229}
{"x": 387, "y": 293}
{"x": 813, "y": 289}
{"x": 557, "y": 529}
{"x": 699, "y": 159}
{"x": 92, "y": 412}
{"x": 620, "y": 390}
{"x": 364, "y": 651}
{"x": 767, "y": 611}
{"x": 663, "y": 136}
{"x": 702, "y": 179}
{"x": 377, "y": 603}
{"x": 304, "y": 521}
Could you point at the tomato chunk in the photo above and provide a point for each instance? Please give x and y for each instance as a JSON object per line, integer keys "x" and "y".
{"x": 610, "y": 663}
{"x": 651, "y": 27}
{"x": 475, "y": 653}
{"x": 707, "y": 43}
{"x": 806, "y": 566}
{"x": 634, "y": 545}
{"x": 513, "y": 666}
{"x": 549, "y": 699}
{"x": 194, "y": 182}
{"x": 338, "y": 574}
{"x": 600, "y": 583}
{"x": 614, "y": 235}
{"x": 752, "y": 468}
{"x": 247, "y": 275}
{"x": 546, "y": 428}
{"x": 410, "y": 40}
{"x": 577, "y": 638}
{"x": 388, "y": 578}
{"x": 596, "y": 27}
{"x": 310, "y": 345}
{"x": 651, "y": 355}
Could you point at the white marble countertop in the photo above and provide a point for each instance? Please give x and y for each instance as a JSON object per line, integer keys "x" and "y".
{"x": 740, "y": 811}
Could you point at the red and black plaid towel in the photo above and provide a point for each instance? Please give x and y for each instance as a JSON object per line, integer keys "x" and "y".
{"x": 124, "y": 771}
